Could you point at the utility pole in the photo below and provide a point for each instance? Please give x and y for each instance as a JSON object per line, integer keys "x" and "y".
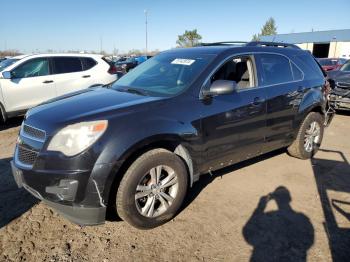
{"x": 146, "y": 13}
{"x": 100, "y": 44}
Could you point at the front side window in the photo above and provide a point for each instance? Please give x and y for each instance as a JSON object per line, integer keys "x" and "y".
{"x": 63, "y": 65}
{"x": 239, "y": 69}
{"x": 166, "y": 74}
{"x": 32, "y": 68}
{"x": 275, "y": 69}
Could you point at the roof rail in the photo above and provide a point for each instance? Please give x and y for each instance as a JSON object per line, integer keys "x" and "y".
{"x": 275, "y": 44}
{"x": 223, "y": 43}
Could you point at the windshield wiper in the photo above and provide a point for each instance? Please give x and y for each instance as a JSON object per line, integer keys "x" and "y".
{"x": 133, "y": 91}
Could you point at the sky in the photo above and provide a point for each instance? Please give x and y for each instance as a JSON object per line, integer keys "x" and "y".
{"x": 61, "y": 25}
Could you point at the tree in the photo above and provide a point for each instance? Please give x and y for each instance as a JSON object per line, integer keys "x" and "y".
{"x": 269, "y": 28}
{"x": 189, "y": 39}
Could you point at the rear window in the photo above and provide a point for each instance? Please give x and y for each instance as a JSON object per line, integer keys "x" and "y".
{"x": 328, "y": 62}
{"x": 276, "y": 69}
{"x": 297, "y": 74}
{"x": 309, "y": 66}
{"x": 88, "y": 63}
{"x": 64, "y": 65}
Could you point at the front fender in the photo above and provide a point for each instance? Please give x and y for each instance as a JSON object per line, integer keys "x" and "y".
{"x": 137, "y": 136}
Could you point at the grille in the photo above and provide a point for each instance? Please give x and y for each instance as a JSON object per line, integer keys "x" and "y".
{"x": 343, "y": 84}
{"x": 34, "y": 132}
{"x": 26, "y": 156}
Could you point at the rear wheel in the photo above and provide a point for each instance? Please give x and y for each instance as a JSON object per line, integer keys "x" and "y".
{"x": 309, "y": 137}
{"x": 152, "y": 190}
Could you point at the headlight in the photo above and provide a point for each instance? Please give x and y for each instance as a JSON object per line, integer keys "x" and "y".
{"x": 123, "y": 65}
{"x": 74, "y": 139}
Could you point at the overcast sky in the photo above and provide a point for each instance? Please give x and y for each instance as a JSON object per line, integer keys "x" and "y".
{"x": 38, "y": 25}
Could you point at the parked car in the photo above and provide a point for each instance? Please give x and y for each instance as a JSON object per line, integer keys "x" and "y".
{"x": 2, "y": 59}
{"x": 137, "y": 146}
{"x": 130, "y": 63}
{"x": 28, "y": 80}
{"x": 329, "y": 64}
{"x": 340, "y": 83}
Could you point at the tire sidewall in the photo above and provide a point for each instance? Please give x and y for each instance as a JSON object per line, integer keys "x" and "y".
{"x": 308, "y": 120}
{"x": 126, "y": 206}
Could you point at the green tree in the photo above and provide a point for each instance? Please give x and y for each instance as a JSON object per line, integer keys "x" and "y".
{"x": 269, "y": 28}
{"x": 189, "y": 39}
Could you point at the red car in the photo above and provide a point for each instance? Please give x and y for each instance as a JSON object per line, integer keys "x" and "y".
{"x": 329, "y": 64}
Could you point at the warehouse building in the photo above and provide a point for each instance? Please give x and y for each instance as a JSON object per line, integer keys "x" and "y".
{"x": 331, "y": 43}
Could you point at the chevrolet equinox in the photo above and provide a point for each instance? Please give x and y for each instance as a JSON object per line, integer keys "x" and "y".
{"x": 136, "y": 146}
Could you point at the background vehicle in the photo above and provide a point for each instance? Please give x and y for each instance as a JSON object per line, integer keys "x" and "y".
{"x": 329, "y": 64}
{"x": 136, "y": 147}
{"x": 28, "y": 80}
{"x": 130, "y": 63}
{"x": 340, "y": 83}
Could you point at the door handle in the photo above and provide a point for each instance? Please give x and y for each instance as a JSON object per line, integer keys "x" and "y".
{"x": 48, "y": 81}
{"x": 86, "y": 76}
{"x": 257, "y": 101}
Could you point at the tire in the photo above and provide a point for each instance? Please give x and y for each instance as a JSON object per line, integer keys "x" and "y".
{"x": 299, "y": 148}
{"x": 134, "y": 209}
{"x": 2, "y": 114}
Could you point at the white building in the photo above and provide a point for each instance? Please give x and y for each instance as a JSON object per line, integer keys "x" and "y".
{"x": 331, "y": 43}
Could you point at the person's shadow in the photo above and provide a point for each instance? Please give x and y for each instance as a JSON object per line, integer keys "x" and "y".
{"x": 281, "y": 235}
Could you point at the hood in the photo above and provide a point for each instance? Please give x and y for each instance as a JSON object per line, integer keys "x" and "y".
{"x": 342, "y": 77}
{"x": 337, "y": 74}
{"x": 84, "y": 105}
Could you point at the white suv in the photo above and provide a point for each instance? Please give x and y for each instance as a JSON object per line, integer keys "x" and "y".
{"x": 28, "y": 80}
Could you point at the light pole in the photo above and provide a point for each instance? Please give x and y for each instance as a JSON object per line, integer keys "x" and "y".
{"x": 145, "y": 11}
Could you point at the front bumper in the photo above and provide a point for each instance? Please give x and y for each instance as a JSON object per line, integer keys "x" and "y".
{"x": 340, "y": 98}
{"x": 78, "y": 196}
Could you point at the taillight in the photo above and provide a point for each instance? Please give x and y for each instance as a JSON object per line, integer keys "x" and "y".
{"x": 112, "y": 70}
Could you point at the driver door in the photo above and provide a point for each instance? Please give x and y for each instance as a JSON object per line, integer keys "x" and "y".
{"x": 234, "y": 124}
{"x": 30, "y": 85}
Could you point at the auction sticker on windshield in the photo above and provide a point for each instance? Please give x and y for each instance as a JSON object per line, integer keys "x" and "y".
{"x": 181, "y": 61}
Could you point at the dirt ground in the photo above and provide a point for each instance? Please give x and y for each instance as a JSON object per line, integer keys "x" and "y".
{"x": 226, "y": 217}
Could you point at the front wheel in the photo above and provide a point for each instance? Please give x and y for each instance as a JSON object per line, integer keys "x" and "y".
{"x": 309, "y": 137}
{"x": 152, "y": 189}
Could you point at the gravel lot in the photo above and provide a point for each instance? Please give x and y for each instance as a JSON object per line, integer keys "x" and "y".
{"x": 225, "y": 218}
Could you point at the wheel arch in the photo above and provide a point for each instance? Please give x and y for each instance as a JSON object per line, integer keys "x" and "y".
{"x": 3, "y": 115}
{"x": 170, "y": 142}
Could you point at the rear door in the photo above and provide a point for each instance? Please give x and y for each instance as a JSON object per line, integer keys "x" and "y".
{"x": 30, "y": 85}
{"x": 283, "y": 82}
{"x": 234, "y": 125}
{"x": 69, "y": 75}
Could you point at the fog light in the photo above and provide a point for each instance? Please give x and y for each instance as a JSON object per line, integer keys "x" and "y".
{"x": 66, "y": 190}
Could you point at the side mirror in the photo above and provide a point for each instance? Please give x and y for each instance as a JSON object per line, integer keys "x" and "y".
{"x": 221, "y": 87}
{"x": 6, "y": 75}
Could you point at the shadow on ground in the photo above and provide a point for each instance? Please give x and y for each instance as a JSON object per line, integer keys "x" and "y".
{"x": 12, "y": 122}
{"x": 206, "y": 179}
{"x": 333, "y": 185}
{"x": 13, "y": 200}
{"x": 278, "y": 235}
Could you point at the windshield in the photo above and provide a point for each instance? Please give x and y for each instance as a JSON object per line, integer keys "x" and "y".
{"x": 328, "y": 62}
{"x": 345, "y": 67}
{"x": 165, "y": 74}
{"x": 7, "y": 63}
